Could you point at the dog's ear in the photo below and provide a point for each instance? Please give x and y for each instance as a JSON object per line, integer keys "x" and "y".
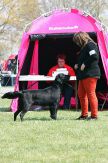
{"x": 67, "y": 77}
{"x": 62, "y": 78}
{"x": 61, "y": 75}
{"x": 59, "y": 78}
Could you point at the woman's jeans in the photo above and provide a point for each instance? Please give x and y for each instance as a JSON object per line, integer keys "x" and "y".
{"x": 86, "y": 93}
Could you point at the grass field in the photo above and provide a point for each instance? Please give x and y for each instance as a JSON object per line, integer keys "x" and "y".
{"x": 38, "y": 139}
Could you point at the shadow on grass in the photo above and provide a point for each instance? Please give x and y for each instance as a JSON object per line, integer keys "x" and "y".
{"x": 6, "y": 109}
{"x": 69, "y": 110}
{"x": 49, "y": 119}
{"x": 38, "y": 119}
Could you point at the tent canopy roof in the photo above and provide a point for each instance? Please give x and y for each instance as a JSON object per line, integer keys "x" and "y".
{"x": 60, "y": 21}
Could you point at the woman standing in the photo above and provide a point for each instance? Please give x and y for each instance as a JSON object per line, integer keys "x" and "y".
{"x": 88, "y": 72}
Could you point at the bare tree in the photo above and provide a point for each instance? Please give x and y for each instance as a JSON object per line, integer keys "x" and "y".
{"x": 6, "y": 8}
{"x": 14, "y": 15}
{"x": 94, "y": 7}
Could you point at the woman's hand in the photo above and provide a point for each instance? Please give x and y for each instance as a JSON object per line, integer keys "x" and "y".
{"x": 76, "y": 66}
{"x": 82, "y": 67}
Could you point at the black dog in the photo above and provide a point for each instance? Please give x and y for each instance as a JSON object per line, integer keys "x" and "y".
{"x": 49, "y": 96}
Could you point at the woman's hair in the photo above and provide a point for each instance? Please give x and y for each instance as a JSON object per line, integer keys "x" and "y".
{"x": 82, "y": 38}
{"x": 61, "y": 56}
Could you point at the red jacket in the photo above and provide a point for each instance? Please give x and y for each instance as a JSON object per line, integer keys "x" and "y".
{"x": 69, "y": 69}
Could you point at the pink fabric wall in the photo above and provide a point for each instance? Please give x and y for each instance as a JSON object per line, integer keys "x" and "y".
{"x": 34, "y": 67}
{"x": 21, "y": 56}
{"x": 103, "y": 51}
{"x": 73, "y": 102}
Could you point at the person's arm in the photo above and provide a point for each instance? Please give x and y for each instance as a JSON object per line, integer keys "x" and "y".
{"x": 93, "y": 54}
{"x": 71, "y": 72}
{"x": 74, "y": 63}
{"x": 49, "y": 73}
{"x": 76, "y": 66}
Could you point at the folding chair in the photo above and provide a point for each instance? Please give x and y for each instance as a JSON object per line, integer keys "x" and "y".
{"x": 103, "y": 96}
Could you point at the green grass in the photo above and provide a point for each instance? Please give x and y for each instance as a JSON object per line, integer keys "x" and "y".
{"x": 39, "y": 139}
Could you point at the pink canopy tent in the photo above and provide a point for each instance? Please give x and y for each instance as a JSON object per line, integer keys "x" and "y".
{"x": 51, "y": 34}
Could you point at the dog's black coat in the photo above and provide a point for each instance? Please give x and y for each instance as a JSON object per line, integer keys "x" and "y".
{"x": 49, "y": 96}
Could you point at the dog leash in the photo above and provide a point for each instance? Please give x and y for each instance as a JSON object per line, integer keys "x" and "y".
{"x": 32, "y": 85}
{"x": 37, "y": 81}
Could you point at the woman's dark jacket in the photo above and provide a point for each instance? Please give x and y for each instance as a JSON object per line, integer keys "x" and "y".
{"x": 89, "y": 55}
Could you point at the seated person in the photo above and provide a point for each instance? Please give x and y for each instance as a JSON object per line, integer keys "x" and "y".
{"x": 67, "y": 88}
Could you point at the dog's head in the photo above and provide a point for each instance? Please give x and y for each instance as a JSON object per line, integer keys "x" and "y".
{"x": 62, "y": 78}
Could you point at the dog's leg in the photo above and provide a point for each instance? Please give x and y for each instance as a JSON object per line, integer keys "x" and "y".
{"x": 23, "y": 112}
{"x": 16, "y": 113}
{"x": 53, "y": 112}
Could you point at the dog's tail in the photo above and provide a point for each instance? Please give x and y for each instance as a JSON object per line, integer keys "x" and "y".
{"x": 12, "y": 95}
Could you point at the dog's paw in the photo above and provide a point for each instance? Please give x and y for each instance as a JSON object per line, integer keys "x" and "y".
{"x": 53, "y": 117}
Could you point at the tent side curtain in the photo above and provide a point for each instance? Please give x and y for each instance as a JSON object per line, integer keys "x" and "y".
{"x": 23, "y": 50}
{"x": 34, "y": 67}
{"x": 21, "y": 56}
{"x": 103, "y": 52}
